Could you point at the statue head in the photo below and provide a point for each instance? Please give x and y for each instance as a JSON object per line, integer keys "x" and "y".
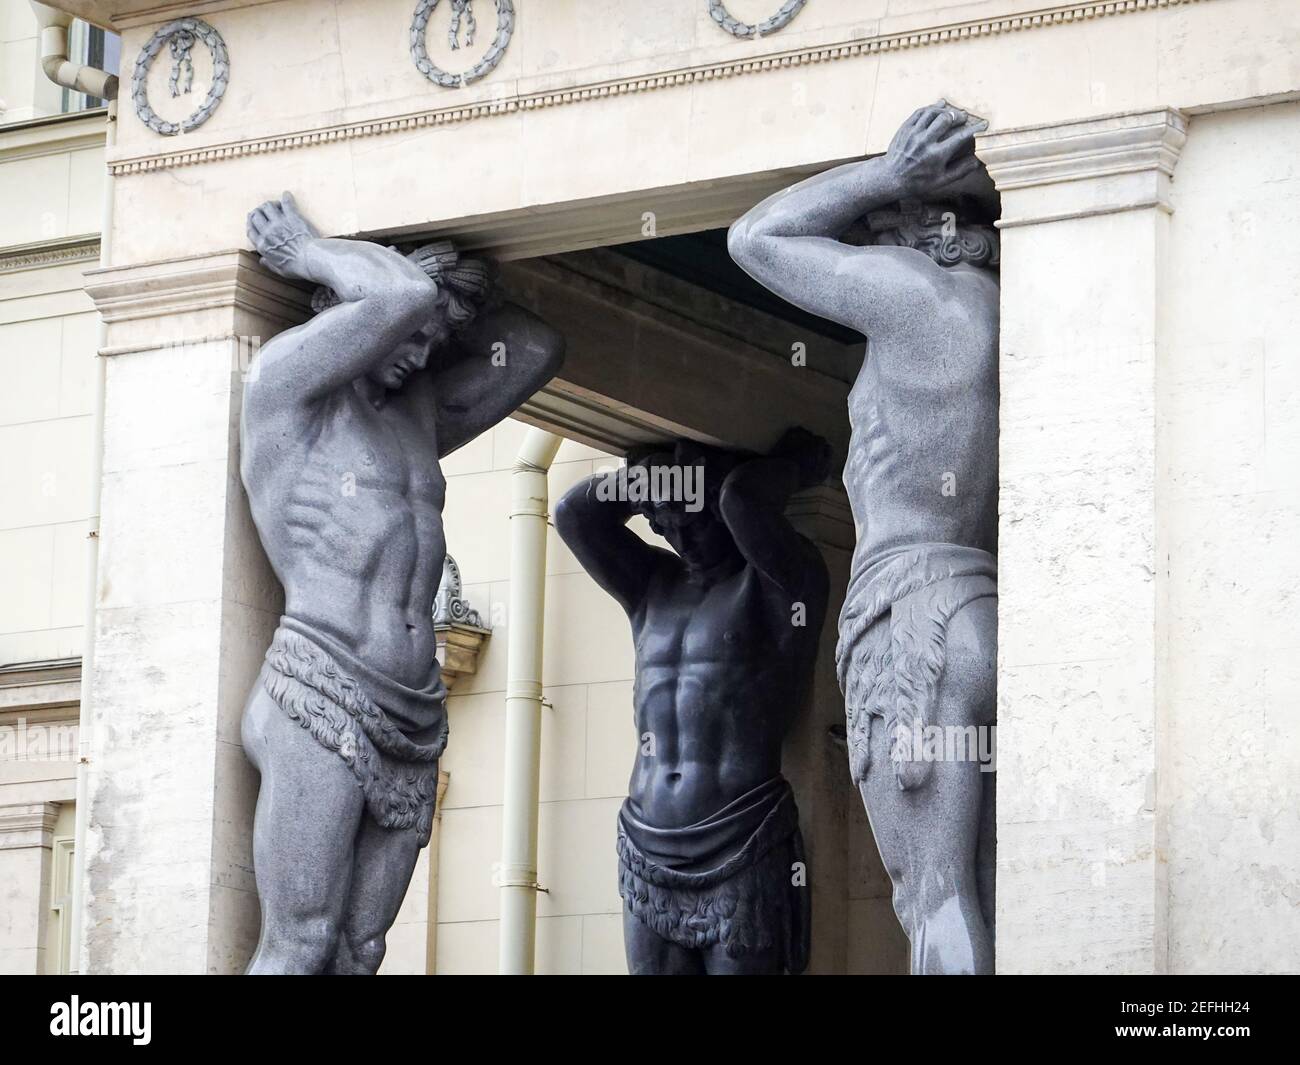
{"x": 680, "y": 499}
{"x": 463, "y": 288}
{"x": 949, "y": 233}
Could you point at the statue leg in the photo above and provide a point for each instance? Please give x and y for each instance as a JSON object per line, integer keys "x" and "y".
{"x": 308, "y": 809}
{"x": 930, "y": 836}
{"x": 649, "y": 954}
{"x": 764, "y": 963}
{"x": 385, "y": 859}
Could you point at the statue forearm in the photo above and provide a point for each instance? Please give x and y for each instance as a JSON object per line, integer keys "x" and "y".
{"x": 822, "y": 206}
{"x": 356, "y": 269}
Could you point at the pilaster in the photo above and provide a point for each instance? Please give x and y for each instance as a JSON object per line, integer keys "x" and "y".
{"x": 1085, "y": 206}
{"x": 186, "y": 607}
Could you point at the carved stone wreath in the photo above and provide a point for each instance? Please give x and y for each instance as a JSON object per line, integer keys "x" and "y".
{"x": 719, "y": 13}
{"x": 181, "y": 36}
{"x": 460, "y": 9}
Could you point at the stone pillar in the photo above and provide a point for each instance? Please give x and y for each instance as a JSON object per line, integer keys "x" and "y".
{"x": 186, "y": 608}
{"x": 1085, "y": 206}
{"x": 26, "y": 837}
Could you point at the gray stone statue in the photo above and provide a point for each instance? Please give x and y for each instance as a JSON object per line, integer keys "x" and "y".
{"x": 345, "y": 420}
{"x": 711, "y": 864}
{"x": 902, "y": 248}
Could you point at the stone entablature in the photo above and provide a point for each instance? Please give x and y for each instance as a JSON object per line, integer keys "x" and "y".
{"x": 352, "y": 135}
{"x": 529, "y": 90}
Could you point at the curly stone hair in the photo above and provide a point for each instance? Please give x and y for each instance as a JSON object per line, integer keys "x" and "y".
{"x": 948, "y": 233}
{"x": 464, "y": 285}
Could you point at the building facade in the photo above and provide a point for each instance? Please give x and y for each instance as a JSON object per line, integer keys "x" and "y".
{"x": 1145, "y": 152}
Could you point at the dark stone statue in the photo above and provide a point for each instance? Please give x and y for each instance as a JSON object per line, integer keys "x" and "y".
{"x": 902, "y": 247}
{"x": 711, "y": 865}
{"x": 345, "y": 419}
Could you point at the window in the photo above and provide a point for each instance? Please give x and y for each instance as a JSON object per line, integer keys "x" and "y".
{"x": 90, "y": 46}
{"x": 58, "y": 928}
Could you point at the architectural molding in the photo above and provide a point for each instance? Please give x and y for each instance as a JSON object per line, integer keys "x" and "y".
{"x": 48, "y": 687}
{"x": 622, "y": 383}
{"x": 1077, "y": 169}
{"x": 458, "y": 649}
{"x": 78, "y": 249}
{"x": 851, "y": 48}
{"x": 28, "y": 825}
{"x": 179, "y": 286}
{"x": 53, "y": 135}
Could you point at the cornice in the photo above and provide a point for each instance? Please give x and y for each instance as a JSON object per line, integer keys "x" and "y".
{"x": 27, "y": 824}
{"x": 1072, "y": 169}
{"x": 53, "y": 135}
{"x": 78, "y": 249}
{"x": 180, "y": 286}
{"x": 40, "y": 689}
{"x": 855, "y": 47}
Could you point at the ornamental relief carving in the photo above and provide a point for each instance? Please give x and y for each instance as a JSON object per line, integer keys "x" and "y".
{"x": 180, "y": 37}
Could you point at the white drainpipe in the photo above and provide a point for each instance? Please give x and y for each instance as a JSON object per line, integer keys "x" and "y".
{"x": 54, "y": 57}
{"x": 94, "y": 82}
{"x": 517, "y": 873}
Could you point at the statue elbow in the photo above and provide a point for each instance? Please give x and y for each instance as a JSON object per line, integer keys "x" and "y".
{"x": 418, "y": 298}
{"x": 739, "y": 240}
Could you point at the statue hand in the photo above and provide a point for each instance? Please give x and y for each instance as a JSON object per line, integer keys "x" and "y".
{"x": 281, "y": 236}
{"x": 933, "y": 148}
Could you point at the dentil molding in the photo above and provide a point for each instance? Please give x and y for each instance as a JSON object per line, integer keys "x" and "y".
{"x": 851, "y": 48}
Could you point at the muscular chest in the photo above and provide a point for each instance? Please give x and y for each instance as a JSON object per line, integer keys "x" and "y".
{"x": 385, "y": 453}
{"x": 683, "y": 623}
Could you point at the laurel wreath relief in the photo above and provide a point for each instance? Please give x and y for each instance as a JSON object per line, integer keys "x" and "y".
{"x": 462, "y": 13}
{"x": 181, "y": 35}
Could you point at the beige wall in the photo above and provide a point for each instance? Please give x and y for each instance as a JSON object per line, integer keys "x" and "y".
{"x": 1228, "y": 452}
{"x": 50, "y": 180}
{"x": 25, "y": 91}
{"x": 51, "y": 173}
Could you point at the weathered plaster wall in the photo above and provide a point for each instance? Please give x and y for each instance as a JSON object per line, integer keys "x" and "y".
{"x": 1228, "y": 666}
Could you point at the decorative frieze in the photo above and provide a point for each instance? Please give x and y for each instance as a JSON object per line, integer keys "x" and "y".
{"x": 78, "y": 249}
{"x": 852, "y": 48}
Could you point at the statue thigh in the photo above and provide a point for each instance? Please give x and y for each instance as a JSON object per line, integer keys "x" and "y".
{"x": 936, "y": 839}
{"x": 309, "y": 809}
